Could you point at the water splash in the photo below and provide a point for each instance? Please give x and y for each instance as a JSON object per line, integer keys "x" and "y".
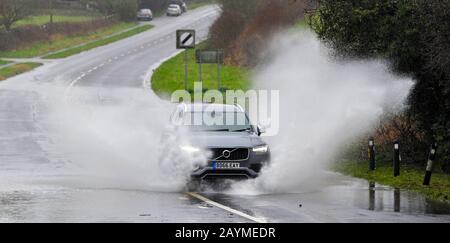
{"x": 324, "y": 104}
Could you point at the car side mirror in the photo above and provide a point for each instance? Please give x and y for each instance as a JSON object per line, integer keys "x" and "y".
{"x": 260, "y": 130}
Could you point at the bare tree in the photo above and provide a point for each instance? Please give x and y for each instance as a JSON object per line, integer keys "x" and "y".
{"x": 12, "y": 11}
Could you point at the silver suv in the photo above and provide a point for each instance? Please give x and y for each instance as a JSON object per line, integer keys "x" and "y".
{"x": 233, "y": 149}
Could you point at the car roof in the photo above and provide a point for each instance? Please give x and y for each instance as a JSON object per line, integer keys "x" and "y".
{"x": 174, "y": 6}
{"x": 193, "y": 107}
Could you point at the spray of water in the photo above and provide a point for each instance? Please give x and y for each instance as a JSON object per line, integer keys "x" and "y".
{"x": 324, "y": 104}
{"x": 113, "y": 138}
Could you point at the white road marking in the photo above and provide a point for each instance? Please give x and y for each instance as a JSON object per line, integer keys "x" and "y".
{"x": 234, "y": 211}
{"x": 146, "y": 82}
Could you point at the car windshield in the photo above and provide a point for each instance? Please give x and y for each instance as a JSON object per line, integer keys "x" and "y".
{"x": 217, "y": 121}
{"x": 173, "y": 6}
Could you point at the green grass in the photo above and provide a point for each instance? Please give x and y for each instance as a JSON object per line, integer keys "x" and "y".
{"x": 302, "y": 24}
{"x": 190, "y": 5}
{"x": 199, "y": 4}
{"x": 98, "y": 43}
{"x": 410, "y": 178}
{"x": 17, "y": 69}
{"x": 44, "y": 19}
{"x": 2, "y": 62}
{"x": 169, "y": 77}
{"x": 63, "y": 42}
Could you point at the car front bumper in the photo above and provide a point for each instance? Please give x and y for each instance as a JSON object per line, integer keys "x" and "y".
{"x": 144, "y": 17}
{"x": 206, "y": 173}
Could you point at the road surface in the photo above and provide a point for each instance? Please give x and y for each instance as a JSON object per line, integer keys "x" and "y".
{"x": 88, "y": 111}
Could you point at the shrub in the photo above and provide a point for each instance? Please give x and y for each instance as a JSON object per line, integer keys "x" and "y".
{"x": 245, "y": 27}
{"x": 414, "y": 36}
{"x": 26, "y": 35}
{"x": 124, "y": 9}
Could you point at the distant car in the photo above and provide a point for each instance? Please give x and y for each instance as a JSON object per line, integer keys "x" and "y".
{"x": 174, "y": 10}
{"x": 180, "y": 3}
{"x": 145, "y": 14}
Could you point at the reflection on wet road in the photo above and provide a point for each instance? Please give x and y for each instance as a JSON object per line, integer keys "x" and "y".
{"x": 339, "y": 199}
{"x": 350, "y": 200}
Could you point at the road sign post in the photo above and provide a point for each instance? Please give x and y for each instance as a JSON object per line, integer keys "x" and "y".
{"x": 201, "y": 71}
{"x": 185, "y": 40}
{"x": 185, "y": 70}
{"x": 219, "y": 81}
{"x": 210, "y": 57}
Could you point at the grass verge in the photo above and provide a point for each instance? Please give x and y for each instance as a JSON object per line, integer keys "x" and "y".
{"x": 102, "y": 42}
{"x": 191, "y": 6}
{"x": 410, "y": 178}
{"x": 17, "y": 69}
{"x": 2, "y": 62}
{"x": 63, "y": 42}
{"x": 169, "y": 77}
{"x": 202, "y": 3}
{"x": 302, "y": 24}
{"x": 44, "y": 19}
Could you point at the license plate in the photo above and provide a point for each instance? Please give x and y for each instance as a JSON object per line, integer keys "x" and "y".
{"x": 226, "y": 165}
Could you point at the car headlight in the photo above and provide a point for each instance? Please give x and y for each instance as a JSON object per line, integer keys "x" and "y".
{"x": 190, "y": 149}
{"x": 261, "y": 149}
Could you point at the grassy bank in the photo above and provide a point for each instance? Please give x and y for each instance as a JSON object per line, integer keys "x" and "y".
{"x": 190, "y": 5}
{"x": 302, "y": 25}
{"x": 101, "y": 42}
{"x": 198, "y": 4}
{"x": 63, "y": 42}
{"x": 2, "y": 62}
{"x": 170, "y": 76}
{"x": 411, "y": 178}
{"x": 17, "y": 69}
{"x": 44, "y": 19}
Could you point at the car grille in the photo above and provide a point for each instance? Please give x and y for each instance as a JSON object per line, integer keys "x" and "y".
{"x": 235, "y": 154}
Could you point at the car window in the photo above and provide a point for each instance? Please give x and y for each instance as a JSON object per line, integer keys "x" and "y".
{"x": 218, "y": 121}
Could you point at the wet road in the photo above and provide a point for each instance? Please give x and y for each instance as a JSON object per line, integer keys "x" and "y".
{"x": 37, "y": 185}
